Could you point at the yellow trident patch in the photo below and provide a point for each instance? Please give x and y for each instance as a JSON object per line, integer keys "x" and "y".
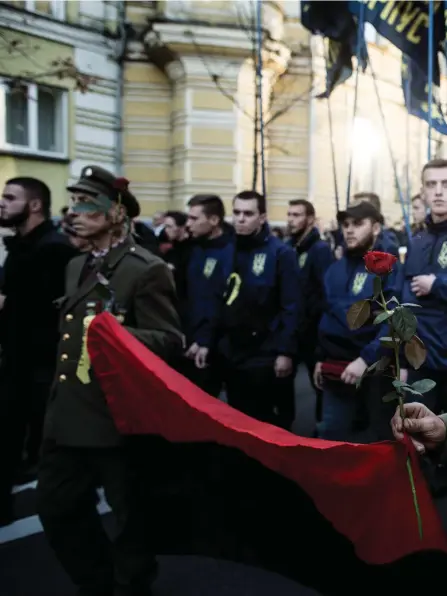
{"x": 208, "y": 268}
{"x": 358, "y": 283}
{"x": 302, "y": 260}
{"x": 442, "y": 258}
{"x": 259, "y": 263}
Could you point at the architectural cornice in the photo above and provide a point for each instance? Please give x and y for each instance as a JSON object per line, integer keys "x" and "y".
{"x": 55, "y": 30}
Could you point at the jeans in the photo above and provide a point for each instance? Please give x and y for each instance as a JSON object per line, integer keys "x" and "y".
{"x": 341, "y": 405}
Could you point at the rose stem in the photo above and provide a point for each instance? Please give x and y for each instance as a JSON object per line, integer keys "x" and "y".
{"x": 402, "y": 415}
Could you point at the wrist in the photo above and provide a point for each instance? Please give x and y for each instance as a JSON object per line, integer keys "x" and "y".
{"x": 443, "y": 418}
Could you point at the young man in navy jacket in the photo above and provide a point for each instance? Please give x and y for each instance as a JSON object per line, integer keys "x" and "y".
{"x": 351, "y": 352}
{"x": 261, "y": 314}
{"x": 209, "y": 266}
{"x": 314, "y": 256}
{"x": 424, "y": 282}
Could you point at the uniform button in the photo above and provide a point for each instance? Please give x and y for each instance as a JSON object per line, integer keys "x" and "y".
{"x": 69, "y": 318}
{"x": 65, "y": 336}
{"x": 64, "y": 357}
{"x": 62, "y": 378}
{"x": 132, "y": 249}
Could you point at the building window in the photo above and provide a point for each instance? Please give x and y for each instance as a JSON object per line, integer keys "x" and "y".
{"x": 33, "y": 119}
{"x": 52, "y": 8}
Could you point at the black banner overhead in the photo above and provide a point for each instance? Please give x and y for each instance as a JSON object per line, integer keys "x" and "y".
{"x": 339, "y": 26}
{"x": 415, "y": 87}
{"x": 338, "y": 65}
{"x": 406, "y": 25}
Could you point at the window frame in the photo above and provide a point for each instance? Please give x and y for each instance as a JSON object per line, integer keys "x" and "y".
{"x": 32, "y": 149}
{"x": 58, "y": 9}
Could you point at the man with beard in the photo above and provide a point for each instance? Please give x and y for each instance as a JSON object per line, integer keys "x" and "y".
{"x": 82, "y": 448}
{"x": 314, "y": 257}
{"x": 34, "y": 274}
{"x": 344, "y": 355}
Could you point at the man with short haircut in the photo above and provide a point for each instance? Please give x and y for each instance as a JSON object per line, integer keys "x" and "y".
{"x": 208, "y": 269}
{"x": 261, "y": 314}
{"x": 178, "y": 257}
{"x": 314, "y": 256}
{"x": 34, "y": 275}
{"x": 418, "y": 213}
{"x": 424, "y": 283}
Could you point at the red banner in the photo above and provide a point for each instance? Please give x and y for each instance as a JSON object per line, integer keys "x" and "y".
{"x": 363, "y": 490}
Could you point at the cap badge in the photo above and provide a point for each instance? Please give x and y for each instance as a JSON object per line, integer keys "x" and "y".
{"x": 88, "y": 172}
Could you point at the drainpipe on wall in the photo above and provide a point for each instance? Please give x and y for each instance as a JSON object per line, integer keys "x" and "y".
{"x": 312, "y": 129}
{"x": 123, "y": 32}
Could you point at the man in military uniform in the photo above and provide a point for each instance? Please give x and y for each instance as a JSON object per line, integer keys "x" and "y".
{"x": 82, "y": 448}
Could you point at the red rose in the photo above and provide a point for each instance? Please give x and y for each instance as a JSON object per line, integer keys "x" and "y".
{"x": 379, "y": 263}
{"x": 121, "y": 184}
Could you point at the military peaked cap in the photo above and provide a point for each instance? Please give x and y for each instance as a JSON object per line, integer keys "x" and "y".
{"x": 98, "y": 181}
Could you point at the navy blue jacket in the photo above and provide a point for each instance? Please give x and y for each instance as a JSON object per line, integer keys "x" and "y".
{"x": 314, "y": 257}
{"x": 388, "y": 242}
{"x": 346, "y": 282}
{"x": 209, "y": 267}
{"x": 427, "y": 254}
{"x": 262, "y": 322}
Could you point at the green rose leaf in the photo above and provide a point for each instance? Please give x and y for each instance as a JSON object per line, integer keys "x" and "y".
{"x": 391, "y": 396}
{"x": 404, "y": 323}
{"x": 411, "y": 390}
{"x": 358, "y": 314}
{"x": 370, "y": 368}
{"x": 383, "y": 316}
{"x": 377, "y": 286}
{"x": 423, "y": 386}
{"x": 415, "y": 352}
{"x": 400, "y": 384}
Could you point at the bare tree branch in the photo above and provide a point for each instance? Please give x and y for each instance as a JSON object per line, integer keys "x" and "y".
{"x": 60, "y": 68}
{"x": 287, "y": 107}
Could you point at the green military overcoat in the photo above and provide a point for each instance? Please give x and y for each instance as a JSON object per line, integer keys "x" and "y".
{"x": 77, "y": 413}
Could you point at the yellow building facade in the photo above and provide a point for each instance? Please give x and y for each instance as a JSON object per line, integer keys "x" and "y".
{"x": 189, "y": 105}
{"x": 48, "y": 128}
{"x": 172, "y": 104}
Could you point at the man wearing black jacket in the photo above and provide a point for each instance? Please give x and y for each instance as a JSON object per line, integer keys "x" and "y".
{"x": 34, "y": 275}
{"x": 314, "y": 257}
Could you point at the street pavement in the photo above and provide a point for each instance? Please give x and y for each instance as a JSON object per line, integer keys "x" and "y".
{"x": 28, "y": 567}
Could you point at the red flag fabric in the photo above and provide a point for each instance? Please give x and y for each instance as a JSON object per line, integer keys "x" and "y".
{"x": 363, "y": 490}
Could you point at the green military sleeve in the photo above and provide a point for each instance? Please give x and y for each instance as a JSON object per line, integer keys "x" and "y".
{"x": 157, "y": 324}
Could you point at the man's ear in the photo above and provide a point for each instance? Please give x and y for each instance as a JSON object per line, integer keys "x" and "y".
{"x": 35, "y": 205}
{"x": 377, "y": 228}
{"x": 214, "y": 219}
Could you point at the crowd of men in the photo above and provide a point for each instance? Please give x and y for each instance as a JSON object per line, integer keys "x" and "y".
{"x": 233, "y": 306}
